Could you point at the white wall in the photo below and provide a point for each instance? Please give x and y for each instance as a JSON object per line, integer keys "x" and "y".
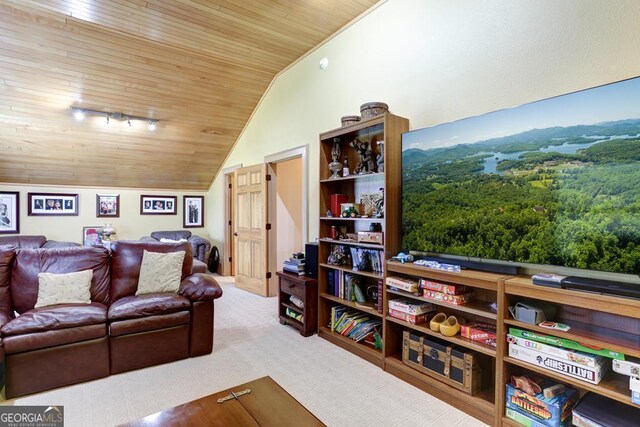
{"x": 435, "y": 61}
{"x": 130, "y": 224}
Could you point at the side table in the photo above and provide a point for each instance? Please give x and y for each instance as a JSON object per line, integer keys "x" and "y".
{"x": 307, "y": 290}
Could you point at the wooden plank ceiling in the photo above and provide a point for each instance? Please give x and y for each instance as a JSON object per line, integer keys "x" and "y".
{"x": 198, "y": 66}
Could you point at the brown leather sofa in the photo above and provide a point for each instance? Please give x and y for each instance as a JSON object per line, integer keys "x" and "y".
{"x": 64, "y": 344}
{"x": 34, "y": 242}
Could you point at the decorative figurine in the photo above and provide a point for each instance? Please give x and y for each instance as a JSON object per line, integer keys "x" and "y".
{"x": 329, "y": 213}
{"x": 380, "y": 157}
{"x": 335, "y": 164}
{"x": 337, "y": 257}
{"x": 366, "y": 164}
{"x": 345, "y": 167}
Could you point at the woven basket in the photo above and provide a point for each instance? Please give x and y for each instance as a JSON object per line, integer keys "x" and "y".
{"x": 349, "y": 120}
{"x": 373, "y": 109}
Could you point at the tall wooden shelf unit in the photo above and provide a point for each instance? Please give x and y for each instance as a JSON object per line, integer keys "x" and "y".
{"x": 387, "y": 128}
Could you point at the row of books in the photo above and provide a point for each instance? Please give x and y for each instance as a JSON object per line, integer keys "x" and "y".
{"x": 352, "y": 287}
{"x": 355, "y": 325}
{"x": 294, "y": 266}
{"x": 377, "y": 260}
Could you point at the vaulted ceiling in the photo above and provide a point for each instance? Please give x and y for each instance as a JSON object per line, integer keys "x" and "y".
{"x": 197, "y": 66}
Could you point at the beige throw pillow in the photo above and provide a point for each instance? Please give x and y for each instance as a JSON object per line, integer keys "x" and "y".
{"x": 160, "y": 272}
{"x": 69, "y": 288}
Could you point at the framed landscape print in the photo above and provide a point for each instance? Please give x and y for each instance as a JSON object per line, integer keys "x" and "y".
{"x": 108, "y": 205}
{"x": 52, "y": 204}
{"x": 92, "y": 236}
{"x": 193, "y": 215}
{"x": 9, "y": 212}
{"x": 158, "y": 205}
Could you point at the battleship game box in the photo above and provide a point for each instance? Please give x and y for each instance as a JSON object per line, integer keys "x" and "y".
{"x": 548, "y": 412}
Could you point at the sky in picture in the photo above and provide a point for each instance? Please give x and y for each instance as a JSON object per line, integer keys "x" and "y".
{"x": 616, "y": 101}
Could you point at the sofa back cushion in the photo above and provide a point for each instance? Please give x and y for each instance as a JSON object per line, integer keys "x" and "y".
{"x": 171, "y": 235}
{"x": 7, "y": 256}
{"x": 126, "y": 259}
{"x": 29, "y": 262}
{"x": 23, "y": 242}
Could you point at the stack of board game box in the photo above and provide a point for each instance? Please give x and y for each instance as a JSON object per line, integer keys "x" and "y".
{"x": 410, "y": 311}
{"x": 535, "y": 402}
{"x": 443, "y": 292}
{"x": 531, "y": 347}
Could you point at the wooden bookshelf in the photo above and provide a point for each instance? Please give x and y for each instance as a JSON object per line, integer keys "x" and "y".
{"x": 387, "y": 128}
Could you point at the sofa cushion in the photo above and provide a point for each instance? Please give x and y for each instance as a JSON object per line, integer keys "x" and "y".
{"x": 160, "y": 272}
{"x": 56, "y": 317}
{"x": 35, "y": 341}
{"x": 171, "y": 235}
{"x": 136, "y": 306}
{"x": 126, "y": 259}
{"x": 68, "y": 288}
{"x": 23, "y": 242}
{"x": 29, "y": 262}
{"x": 149, "y": 323}
{"x": 7, "y": 255}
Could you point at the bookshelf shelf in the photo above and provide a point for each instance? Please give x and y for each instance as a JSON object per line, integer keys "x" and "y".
{"x": 350, "y": 269}
{"x": 293, "y": 307}
{"x": 372, "y": 311}
{"x": 480, "y": 405}
{"x": 339, "y": 218}
{"x": 476, "y": 279}
{"x": 614, "y": 386}
{"x": 353, "y": 177}
{"x": 478, "y": 308}
{"x": 458, "y": 340}
{"x": 592, "y": 335}
{"x": 348, "y": 243}
{"x": 359, "y": 349}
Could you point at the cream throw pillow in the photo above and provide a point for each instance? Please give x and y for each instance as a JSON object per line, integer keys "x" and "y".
{"x": 69, "y": 288}
{"x": 160, "y": 272}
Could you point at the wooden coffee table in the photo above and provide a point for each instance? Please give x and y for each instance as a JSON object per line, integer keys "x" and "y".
{"x": 268, "y": 404}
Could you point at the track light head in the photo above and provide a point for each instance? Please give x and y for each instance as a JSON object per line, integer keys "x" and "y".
{"x": 107, "y": 119}
{"x": 78, "y": 114}
{"x": 129, "y": 122}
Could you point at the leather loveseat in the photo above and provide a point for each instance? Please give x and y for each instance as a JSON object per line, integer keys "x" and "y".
{"x": 64, "y": 344}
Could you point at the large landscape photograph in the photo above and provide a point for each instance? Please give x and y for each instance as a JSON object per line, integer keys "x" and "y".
{"x": 551, "y": 182}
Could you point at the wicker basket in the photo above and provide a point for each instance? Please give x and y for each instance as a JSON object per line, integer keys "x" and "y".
{"x": 349, "y": 120}
{"x": 373, "y": 109}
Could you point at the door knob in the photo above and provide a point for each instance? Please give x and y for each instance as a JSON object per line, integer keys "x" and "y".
{"x": 235, "y": 234}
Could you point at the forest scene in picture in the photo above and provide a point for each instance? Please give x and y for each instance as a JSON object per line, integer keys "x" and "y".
{"x": 551, "y": 182}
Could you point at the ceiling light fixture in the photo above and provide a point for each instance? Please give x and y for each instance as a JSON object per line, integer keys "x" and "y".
{"x": 80, "y": 113}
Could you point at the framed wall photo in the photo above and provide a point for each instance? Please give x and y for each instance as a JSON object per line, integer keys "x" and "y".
{"x": 9, "y": 212}
{"x": 92, "y": 236}
{"x": 108, "y": 205}
{"x": 193, "y": 215}
{"x": 52, "y": 204}
{"x": 158, "y": 205}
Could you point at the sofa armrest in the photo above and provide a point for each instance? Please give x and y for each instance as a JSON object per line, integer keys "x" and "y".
{"x": 201, "y": 247}
{"x": 5, "y": 317}
{"x": 200, "y": 287}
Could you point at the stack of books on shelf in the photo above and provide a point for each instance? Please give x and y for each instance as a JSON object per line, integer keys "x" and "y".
{"x": 356, "y": 325}
{"x": 352, "y": 288}
{"x": 295, "y": 264}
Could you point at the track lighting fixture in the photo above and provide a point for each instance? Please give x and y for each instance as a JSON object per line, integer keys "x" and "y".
{"x": 80, "y": 113}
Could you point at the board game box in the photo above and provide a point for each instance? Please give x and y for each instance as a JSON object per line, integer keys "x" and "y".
{"x": 548, "y": 412}
{"x": 415, "y": 319}
{"x": 565, "y": 343}
{"x": 411, "y": 307}
{"x": 555, "y": 364}
{"x": 481, "y": 332}
{"x": 574, "y": 356}
{"x": 449, "y": 299}
{"x": 443, "y": 287}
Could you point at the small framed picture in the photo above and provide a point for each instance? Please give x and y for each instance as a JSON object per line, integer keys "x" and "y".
{"x": 9, "y": 212}
{"x": 158, "y": 205}
{"x": 193, "y": 211}
{"x": 108, "y": 205}
{"x": 92, "y": 236}
{"x": 52, "y": 204}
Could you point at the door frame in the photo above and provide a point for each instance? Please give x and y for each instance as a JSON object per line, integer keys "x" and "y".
{"x": 282, "y": 156}
{"x": 228, "y": 267}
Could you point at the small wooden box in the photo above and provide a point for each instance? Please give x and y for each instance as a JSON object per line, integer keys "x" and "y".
{"x": 453, "y": 365}
{"x": 375, "y": 237}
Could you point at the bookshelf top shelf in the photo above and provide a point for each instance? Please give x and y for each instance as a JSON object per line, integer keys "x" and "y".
{"x": 477, "y": 279}
{"x": 353, "y": 177}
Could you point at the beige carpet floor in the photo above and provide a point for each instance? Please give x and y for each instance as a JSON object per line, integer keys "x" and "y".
{"x": 339, "y": 388}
